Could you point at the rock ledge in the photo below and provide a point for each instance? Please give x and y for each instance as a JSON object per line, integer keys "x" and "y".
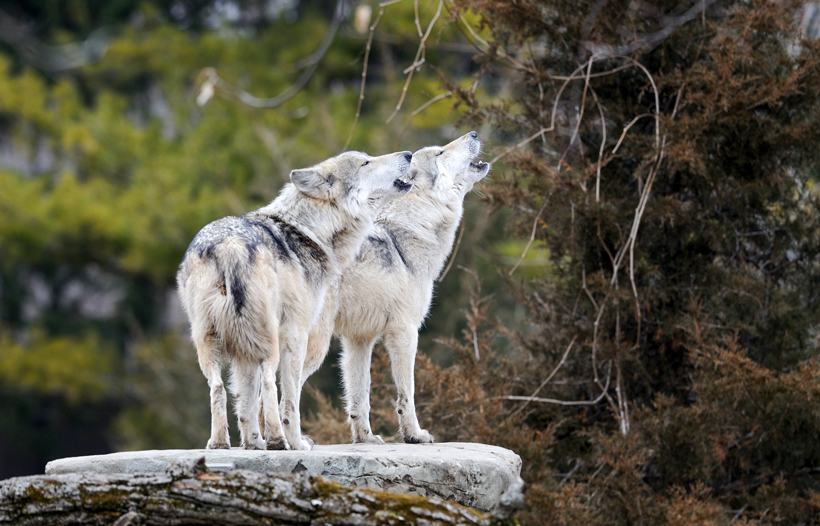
{"x": 476, "y": 475}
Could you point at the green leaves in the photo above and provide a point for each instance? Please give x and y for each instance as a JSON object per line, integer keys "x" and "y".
{"x": 79, "y": 369}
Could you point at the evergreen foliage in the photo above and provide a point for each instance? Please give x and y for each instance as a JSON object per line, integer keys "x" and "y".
{"x": 668, "y": 373}
{"x": 643, "y": 331}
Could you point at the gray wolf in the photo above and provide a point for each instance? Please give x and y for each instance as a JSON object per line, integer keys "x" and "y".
{"x": 386, "y": 294}
{"x": 254, "y": 285}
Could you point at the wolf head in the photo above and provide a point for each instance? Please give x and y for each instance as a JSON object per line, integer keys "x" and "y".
{"x": 349, "y": 180}
{"x": 449, "y": 171}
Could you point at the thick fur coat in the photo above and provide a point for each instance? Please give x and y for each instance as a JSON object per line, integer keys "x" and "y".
{"x": 386, "y": 294}
{"x": 254, "y": 286}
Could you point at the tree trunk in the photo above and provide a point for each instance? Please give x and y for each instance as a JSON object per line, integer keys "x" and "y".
{"x": 195, "y": 495}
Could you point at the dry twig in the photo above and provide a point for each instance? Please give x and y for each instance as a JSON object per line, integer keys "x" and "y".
{"x": 213, "y": 82}
{"x": 418, "y": 61}
{"x": 546, "y": 380}
{"x": 367, "y": 48}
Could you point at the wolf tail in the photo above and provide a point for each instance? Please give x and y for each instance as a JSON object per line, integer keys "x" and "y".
{"x": 240, "y": 300}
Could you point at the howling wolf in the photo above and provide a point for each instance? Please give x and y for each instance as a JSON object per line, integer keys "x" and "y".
{"x": 386, "y": 293}
{"x": 255, "y": 284}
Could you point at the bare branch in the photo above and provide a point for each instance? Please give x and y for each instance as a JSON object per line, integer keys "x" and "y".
{"x": 649, "y": 42}
{"x": 417, "y": 20}
{"x": 645, "y": 191}
{"x": 547, "y": 379}
{"x": 482, "y": 46}
{"x": 601, "y": 147}
{"x": 605, "y": 73}
{"x": 439, "y": 97}
{"x": 310, "y": 64}
{"x": 580, "y": 118}
{"x": 626, "y": 130}
{"x": 532, "y": 237}
{"x": 551, "y": 127}
{"x": 418, "y": 61}
{"x": 367, "y": 48}
{"x": 521, "y": 144}
{"x": 555, "y": 401}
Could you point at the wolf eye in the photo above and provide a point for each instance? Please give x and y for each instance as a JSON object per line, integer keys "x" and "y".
{"x": 439, "y": 153}
{"x": 365, "y": 163}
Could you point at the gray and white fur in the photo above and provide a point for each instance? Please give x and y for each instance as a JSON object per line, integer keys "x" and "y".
{"x": 253, "y": 286}
{"x": 386, "y": 294}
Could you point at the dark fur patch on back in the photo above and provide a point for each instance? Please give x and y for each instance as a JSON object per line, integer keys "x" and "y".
{"x": 206, "y": 251}
{"x": 300, "y": 244}
{"x": 382, "y": 249}
{"x": 338, "y": 236}
{"x": 397, "y": 246}
{"x": 274, "y": 240}
{"x": 252, "y": 248}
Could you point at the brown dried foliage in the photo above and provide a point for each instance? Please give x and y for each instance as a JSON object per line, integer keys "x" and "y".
{"x": 685, "y": 264}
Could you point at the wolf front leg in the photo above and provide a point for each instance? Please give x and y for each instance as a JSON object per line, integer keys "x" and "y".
{"x": 272, "y": 423}
{"x": 356, "y": 378}
{"x": 293, "y": 343}
{"x": 401, "y": 344}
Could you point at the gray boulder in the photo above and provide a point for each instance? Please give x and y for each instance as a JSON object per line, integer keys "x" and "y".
{"x": 476, "y": 475}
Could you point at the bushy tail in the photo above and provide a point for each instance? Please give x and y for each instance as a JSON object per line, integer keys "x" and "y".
{"x": 240, "y": 301}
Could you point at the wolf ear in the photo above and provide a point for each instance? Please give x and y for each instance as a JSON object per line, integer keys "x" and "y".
{"x": 309, "y": 181}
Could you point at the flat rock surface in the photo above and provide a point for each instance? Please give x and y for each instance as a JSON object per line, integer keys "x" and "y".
{"x": 478, "y": 475}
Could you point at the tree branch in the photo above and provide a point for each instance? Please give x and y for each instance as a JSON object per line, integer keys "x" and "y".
{"x": 652, "y": 40}
{"x": 213, "y": 82}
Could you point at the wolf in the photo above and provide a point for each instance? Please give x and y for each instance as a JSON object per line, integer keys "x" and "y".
{"x": 386, "y": 294}
{"x": 254, "y": 285}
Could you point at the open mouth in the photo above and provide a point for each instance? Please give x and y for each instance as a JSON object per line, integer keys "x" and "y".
{"x": 402, "y": 186}
{"x": 478, "y": 165}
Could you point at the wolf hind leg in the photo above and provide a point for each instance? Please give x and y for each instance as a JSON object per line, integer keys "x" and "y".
{"x": 245, "y": 382}
{"x": 401, "y": 344}
{"x": 207, "y": 356}
{"x": 355, "y": 363}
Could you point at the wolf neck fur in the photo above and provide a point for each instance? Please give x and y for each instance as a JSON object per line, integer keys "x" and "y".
{"x": 426, "y": 224}
{"x": 339, "y": 233}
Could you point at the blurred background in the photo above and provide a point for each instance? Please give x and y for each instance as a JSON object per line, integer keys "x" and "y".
{"x": 633, "y": 304}
{"x": 113, "y": 154}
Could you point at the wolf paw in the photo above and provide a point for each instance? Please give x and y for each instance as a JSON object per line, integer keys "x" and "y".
{"x": 277, "y": 444}
{"x": 369, "y": 439}
{"x": 309, "y": 440}
{"x": 256, "y": 443}
{"x": 421, "y": 436}
{"x": 302, "y": 445}
{"x": 217, "y": 444}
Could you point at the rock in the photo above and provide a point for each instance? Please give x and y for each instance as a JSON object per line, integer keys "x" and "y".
{"x": 195, "y": 495}
{"x": 476, "y": 475}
